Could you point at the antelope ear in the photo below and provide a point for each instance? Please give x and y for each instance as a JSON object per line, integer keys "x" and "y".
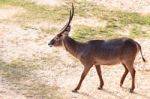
{"x": 68, "y": 28}
{"x": 59, "y": 35}
{"x": 66, "y": 32}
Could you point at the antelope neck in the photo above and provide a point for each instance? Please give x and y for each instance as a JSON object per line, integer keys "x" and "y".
{"x": 72, "y": 46}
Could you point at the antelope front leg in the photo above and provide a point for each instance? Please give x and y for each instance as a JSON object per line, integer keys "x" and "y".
{"x": 98, "y": 69}
{"x": 84, "y": 73}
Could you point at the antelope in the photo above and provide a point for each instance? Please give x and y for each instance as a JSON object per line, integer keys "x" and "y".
{"x": 99, "y": 52}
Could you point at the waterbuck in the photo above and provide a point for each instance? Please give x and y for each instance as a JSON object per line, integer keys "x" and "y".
{"x": 99, "y": 52}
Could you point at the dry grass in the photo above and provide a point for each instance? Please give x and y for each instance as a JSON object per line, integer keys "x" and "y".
{"x": 29, "y": 69}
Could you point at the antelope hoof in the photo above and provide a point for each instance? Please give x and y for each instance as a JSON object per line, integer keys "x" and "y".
{"x": 75, "y": 91}
{"x": 120, "y": 84}
{"x": 100, "y": 88}
{"x": 131, "y": 90}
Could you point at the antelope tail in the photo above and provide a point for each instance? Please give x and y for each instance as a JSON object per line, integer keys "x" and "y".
{"x": 140, "y": 49}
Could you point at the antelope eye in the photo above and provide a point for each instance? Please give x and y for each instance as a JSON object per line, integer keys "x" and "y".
{"x": 57, "y": 38}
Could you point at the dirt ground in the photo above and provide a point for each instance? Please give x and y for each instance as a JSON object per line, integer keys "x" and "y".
{"x": 19, "y": 43}
{"x": 140, "y": 6}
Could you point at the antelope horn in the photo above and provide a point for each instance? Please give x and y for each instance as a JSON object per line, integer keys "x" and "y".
{"x": 70, "y": 19}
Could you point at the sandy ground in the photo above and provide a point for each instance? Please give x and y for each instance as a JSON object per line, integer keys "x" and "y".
{"x": 48, "y": 2}
{"x": 17, "y": 42}
{"x": 140, "y": 6}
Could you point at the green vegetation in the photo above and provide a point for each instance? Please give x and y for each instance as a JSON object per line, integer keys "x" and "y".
{"x": 85, "y": 33}
{"x": 20, "y": 71}
{"x": 52, "y": 14}
{"x": 117, "y": 20}
{"x": 37, "y": 12}
{"x": 40, "y": 90}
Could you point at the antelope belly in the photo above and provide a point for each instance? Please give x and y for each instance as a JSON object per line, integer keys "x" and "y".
{"x": 112, "y": 61}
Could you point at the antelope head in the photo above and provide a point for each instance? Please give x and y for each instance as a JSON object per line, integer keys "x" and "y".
{"x": 57, "y": 40}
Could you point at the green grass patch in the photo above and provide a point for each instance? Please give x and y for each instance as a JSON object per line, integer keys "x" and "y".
{"x": 116, "y": 16}
{"x": 43, "y": 91}
{"x": 85, "y": 33}
{"x": 36, "y": 12}
{"x": 22, "y": 80}
{"x": 17, "y": 69}
{"x": 131, "y": 18}
{"x": 116, "y": 19}
{"x": 137, "y": 32}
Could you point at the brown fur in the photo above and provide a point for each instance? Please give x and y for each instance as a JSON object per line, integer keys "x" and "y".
{"x": 100, "y": 52}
